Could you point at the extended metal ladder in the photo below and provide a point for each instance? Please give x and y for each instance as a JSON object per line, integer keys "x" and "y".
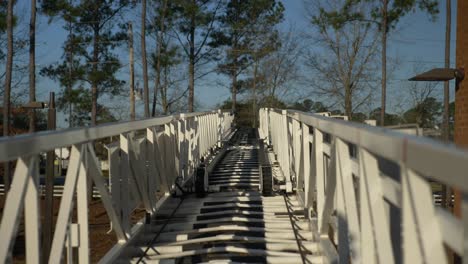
{"x": 234, "y": 225}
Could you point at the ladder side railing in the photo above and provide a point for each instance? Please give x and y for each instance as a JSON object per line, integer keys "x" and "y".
{"x": 146, "y": 158}
{"x": 368, "y": 189}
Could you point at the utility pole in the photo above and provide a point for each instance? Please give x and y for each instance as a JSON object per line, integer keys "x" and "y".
{"x": 446, "y": 190}
{"x": 143, "y": 55}
{"x": 132, "y": 74}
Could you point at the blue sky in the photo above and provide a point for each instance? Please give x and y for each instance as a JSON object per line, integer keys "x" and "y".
{"x": 415, "y": 40}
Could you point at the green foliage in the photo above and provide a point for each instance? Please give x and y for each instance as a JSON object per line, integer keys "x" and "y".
{"x": 426, "y": 114}
{"x": 272, "y": 102}
{"x": 3, "y": 16}
{"x": 359, "y": 117}
{"x": 244, "y": 110}
{"x": 56, "y": 8}
{"x": 3, "y": 26}
{"x": 309, "y": 106}
{"x": 337, "y": 18}
{"x": 19, "y": 123}
{"x": 396, "y": 10}
{"x": 170, "y": 56}
{"x": 190, "y": 14}
{"x": 390, "y": 119}
{"x": 400, "y": 8}
{"x": 240, "y": 31}
{"x": 81, "y": 98}
{"x": 92, "y": 43}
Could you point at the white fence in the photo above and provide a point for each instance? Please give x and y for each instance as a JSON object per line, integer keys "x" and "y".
{"x": 367, "y": 188}
{"x": 145, "y": 161}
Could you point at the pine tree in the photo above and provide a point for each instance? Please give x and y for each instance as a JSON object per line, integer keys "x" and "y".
{"x": 195, "y": 20}
{"x": 32, "y": 65}
{"x": 94, "y": 65}
{"x": 344, "y": 69}
{"x": 385, "y": 14}
{"x": 162, "y": 23}
{"x": 240, "y": 25}
{"x": 7, "y": 92}
{"x": 143, "y": 58}
{"x": 166, "y": 58}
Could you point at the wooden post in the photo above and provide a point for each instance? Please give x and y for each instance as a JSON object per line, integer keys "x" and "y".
{"x": 49, "y": 186}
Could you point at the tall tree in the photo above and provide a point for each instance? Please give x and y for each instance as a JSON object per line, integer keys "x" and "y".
{"x": 266, "y": 42}
{"x": 7, "y": 92}
{"x": 170, "y": 77}
{"x": 143, "y": 58}
{"x": 132, "y": 72}
{"x": 385, "y": 14}
{"x": 18, "y": 91}
{"x": 280, "y": 69}
{"x": 94, "y": 38}
{"x": 3, "y": 24}
{"x": 162, "y": 20}
{"x": 426, "y": 113}
{"x": 60, "y": 8}
{"x": 344, "y": 67}
{"x": 237, "y": 33}
{"x": 32, "y": 65}
{"x": 425, "y": 108}
{"x": 195, "y": 21}
{"x": 309, "y": 106}
{"x": 166, "y": 61}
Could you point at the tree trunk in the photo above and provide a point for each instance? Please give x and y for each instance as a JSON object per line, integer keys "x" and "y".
{"x": 94, "y": 86}
{"x": 155, "y": 97}
{"x": 132, "y": 74}
{"x": 32, "y": 65}
{"x": 158, "y": 62}
{"x": 143, "y": 60}
{"x": 234, "y": 91}
{"x": 192, "y": 66}
{"x": 6, "y": 95}
{"x": 162, "y": 90}
{"x": 70, "y": 73}
{"x": 384, "y": 61}
{"x": 348, "y": 102}
{"x": 156, "y": 83}
{"x": 254, "y": 93}
{"x": 191, "y": 85}
{"x": 164, "y": 103}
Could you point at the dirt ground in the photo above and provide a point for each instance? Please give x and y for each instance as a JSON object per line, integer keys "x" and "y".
{"x": 99, "y": 226}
